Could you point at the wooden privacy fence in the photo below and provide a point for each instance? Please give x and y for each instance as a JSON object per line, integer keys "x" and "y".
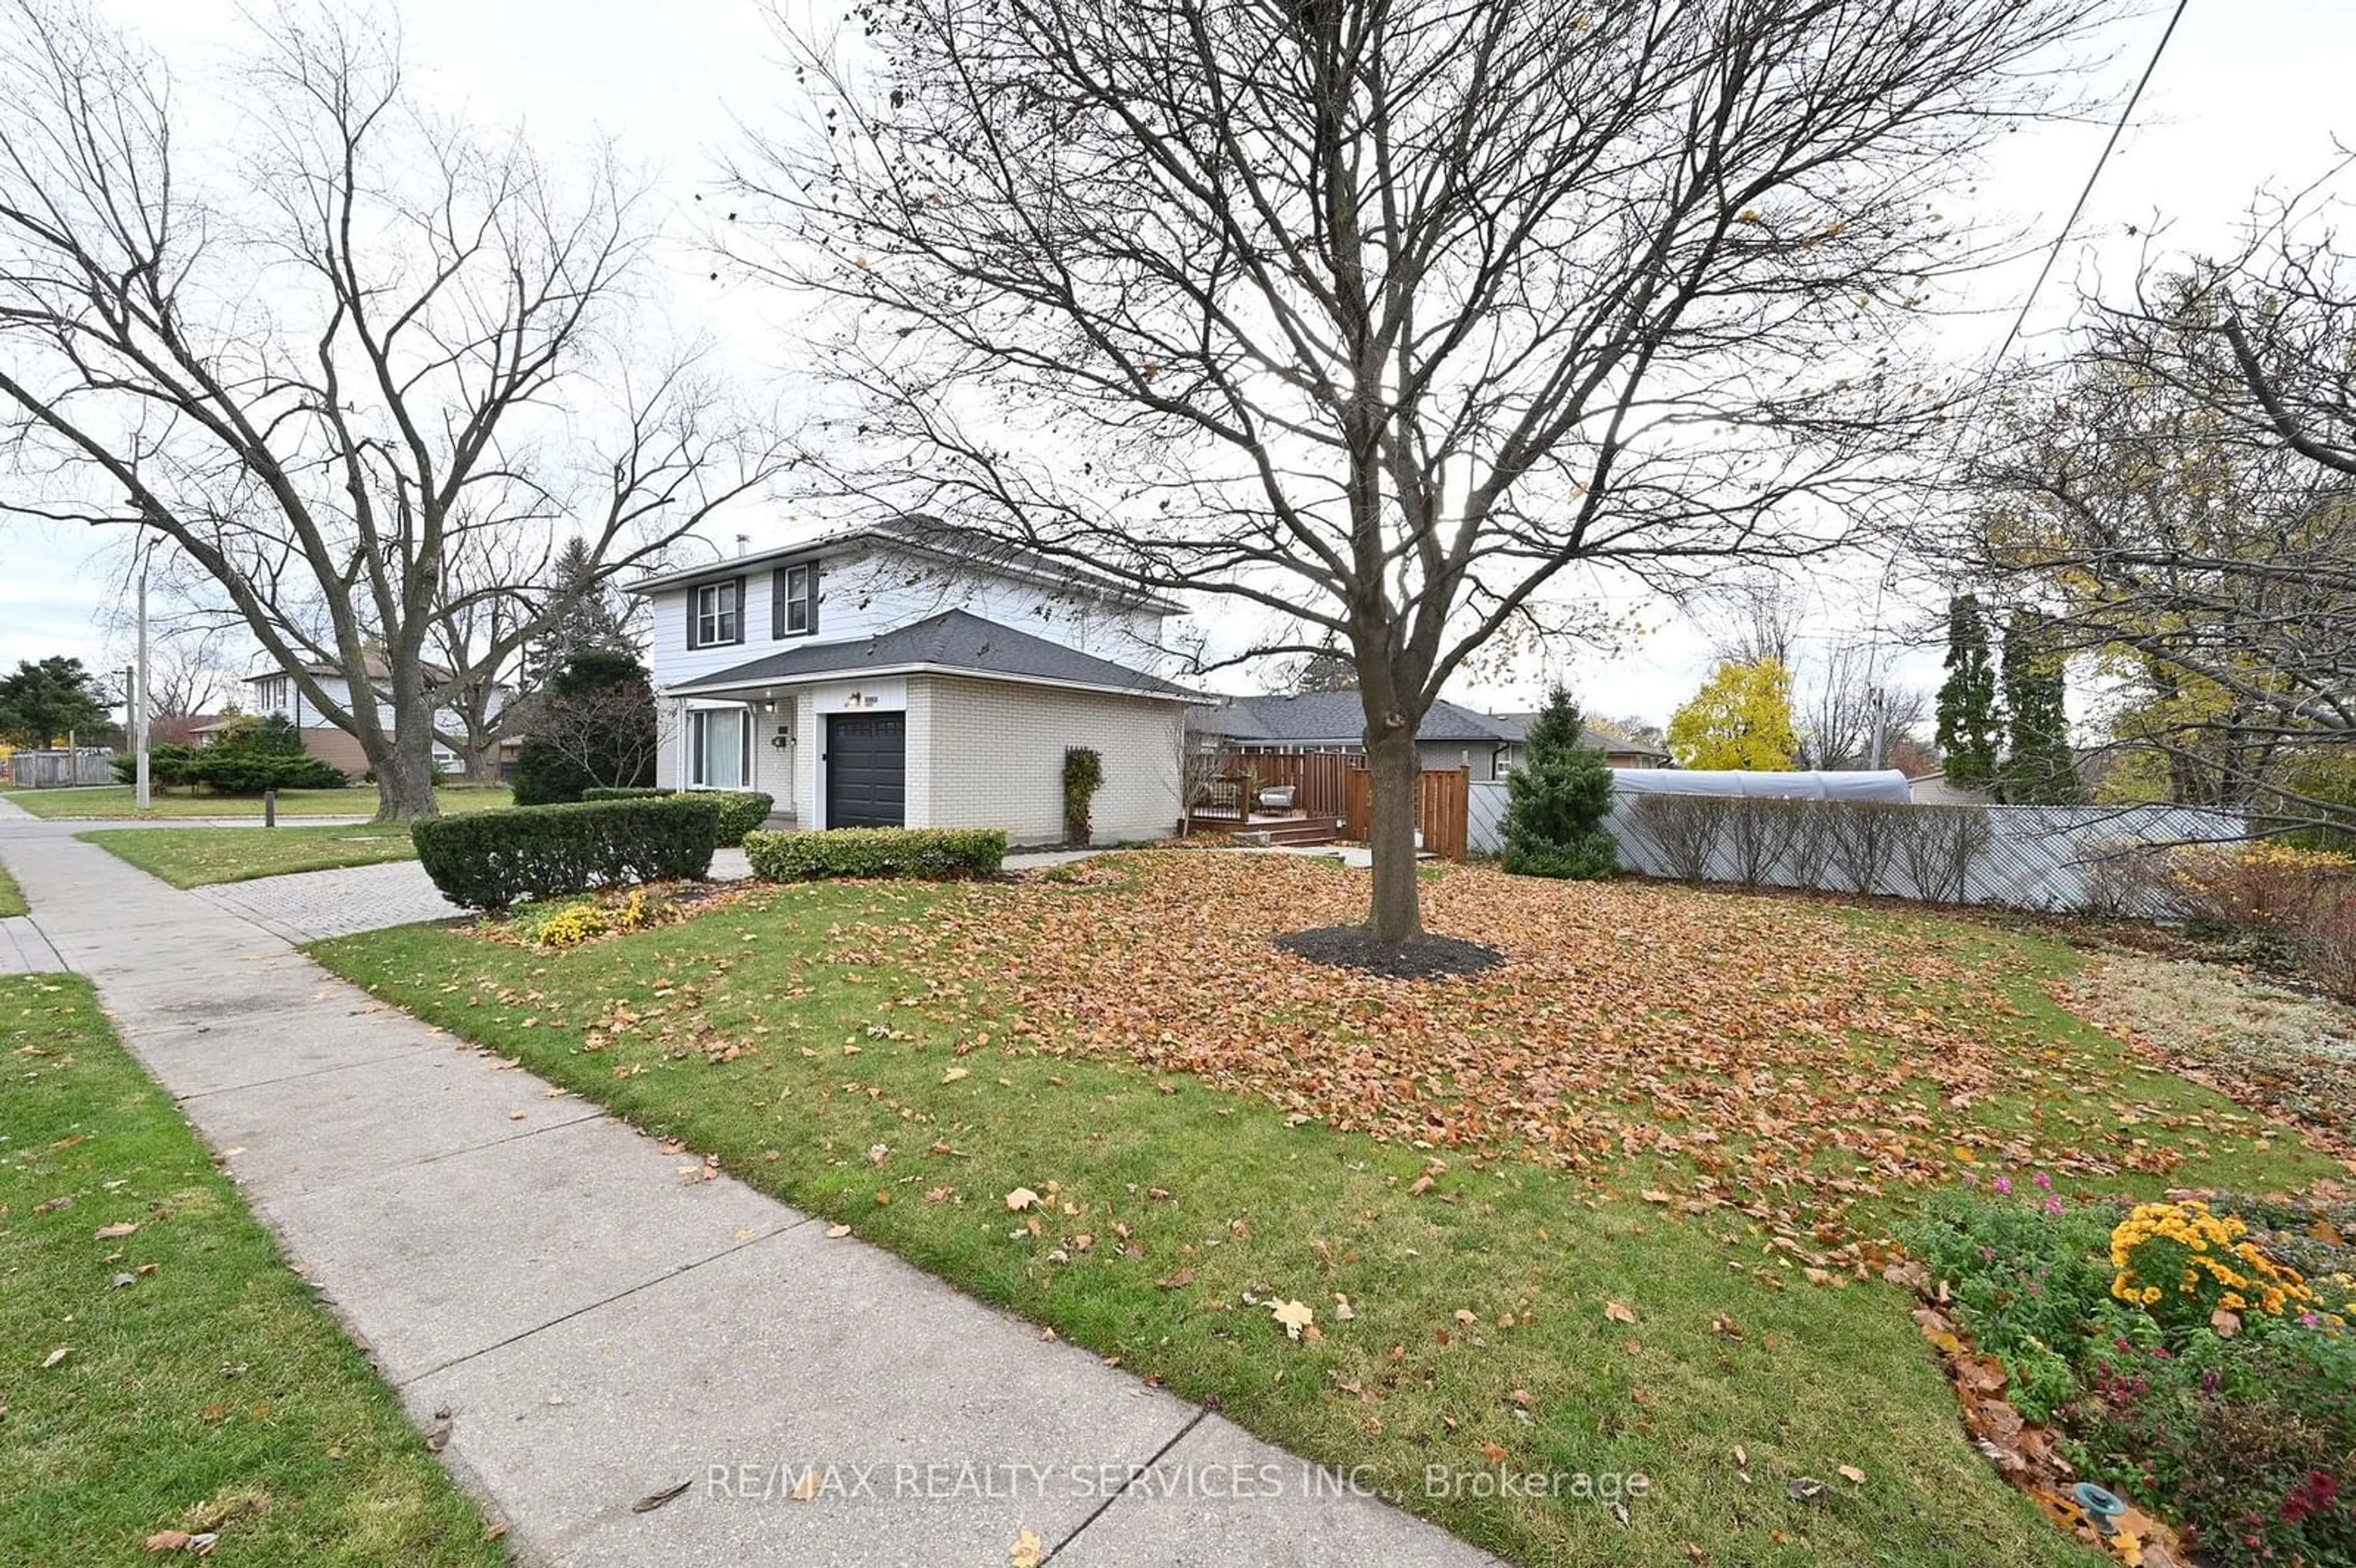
{"x": 1337, "y": 783}
{"x": 1441, "y": 797}
{"x": 1320, "y": 779}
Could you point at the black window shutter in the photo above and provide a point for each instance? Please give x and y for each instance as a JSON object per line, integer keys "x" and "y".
{"x": 777, "y": 604}
{"x": 693, "y": 594}
{"x": 741, "y": 612}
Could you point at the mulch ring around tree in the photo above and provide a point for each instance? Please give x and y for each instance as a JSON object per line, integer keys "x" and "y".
{"x": 1425, "y": 957}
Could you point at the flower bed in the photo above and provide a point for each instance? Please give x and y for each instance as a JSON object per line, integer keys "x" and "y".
{"x": 2192, "y": 1356}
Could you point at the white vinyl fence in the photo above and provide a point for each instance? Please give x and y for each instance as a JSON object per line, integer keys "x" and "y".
{"x": 2020, "y": 857}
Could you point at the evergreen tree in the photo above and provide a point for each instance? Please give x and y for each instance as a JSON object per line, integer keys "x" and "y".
{"x": 52, "y": 699}
{"x": 1969, "y": 725}
{"x": 593, "y": 621}
{"x": 595, "y": 725}
{"x": 1557, "y": 799}
{"x": 2038, "y": 766}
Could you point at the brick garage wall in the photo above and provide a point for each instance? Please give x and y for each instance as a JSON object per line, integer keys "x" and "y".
{"x": 336, "y": 749}
{"x": 996, "y": 758}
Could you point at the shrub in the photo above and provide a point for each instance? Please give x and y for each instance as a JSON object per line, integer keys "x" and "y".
{"x": 252, "y": 772}
{"x": 569, "y": 923}
{"x": 2183, "y": 1264}
{"x": 1083, "y": 776}
{"x": 1558, "y": 800}
{"x": 1683, "y": 830}
{"x": 2027, "y": 1283}
{"x": 930, "y": 854}
{"x": 231, "y": 770}
{"x": 2243, "y": 1441}
{"x": 2299, "y": 904}
{"x": 741, "y": 812}
{"x": 490, "y": 859}
{"x": 624, "y": 792}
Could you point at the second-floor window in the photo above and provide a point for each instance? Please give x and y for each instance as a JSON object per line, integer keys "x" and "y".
{"x": 715, "y": 614}
{"x": 797, "y": 603}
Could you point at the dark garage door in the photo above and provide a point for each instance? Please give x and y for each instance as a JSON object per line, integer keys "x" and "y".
{"x": 866, "y": 770}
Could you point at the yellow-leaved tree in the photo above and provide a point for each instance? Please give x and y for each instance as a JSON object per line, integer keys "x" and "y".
{"x": 1739, "y": 719}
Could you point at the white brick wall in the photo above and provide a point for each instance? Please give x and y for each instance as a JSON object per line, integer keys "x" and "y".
{"x": 996, "y": 758}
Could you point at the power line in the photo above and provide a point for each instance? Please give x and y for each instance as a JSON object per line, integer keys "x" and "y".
{"x": 2044, "y": 274}
{"x": 2086, "y": 194}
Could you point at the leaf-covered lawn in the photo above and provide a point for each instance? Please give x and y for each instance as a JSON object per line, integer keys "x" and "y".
{"x": 196, "y": 857}
{"x": 12, "y": 897}
{"x": 161, "y": 1369}
{"x": 1652, "y": 1142}
{"x": 104, "y": 802}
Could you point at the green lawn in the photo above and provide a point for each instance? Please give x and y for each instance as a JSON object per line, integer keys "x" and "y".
{"x": 12, "y": 897}
{"x": 196, "y": 856}
{"x": 903, "y": 1059}
{"x": 104, "y": 802}
{"x": 181, "y": 1377}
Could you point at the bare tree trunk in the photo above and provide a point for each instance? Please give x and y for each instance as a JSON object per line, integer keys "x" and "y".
{"x": 404, "y": 781}
{"x": 1396, "y": 769}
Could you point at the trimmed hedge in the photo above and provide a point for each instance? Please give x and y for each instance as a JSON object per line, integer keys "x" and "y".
{"x": 488, "y": 859}
{"x": 929, "y": 854}
{"x": 741, "y": 810}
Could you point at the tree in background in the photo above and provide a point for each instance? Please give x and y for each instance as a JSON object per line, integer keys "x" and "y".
{"x": 1970, "y": 729}
{"x": 595, "y": 618}
{"x": 349, "y": 367}
{"x": 1390, "y": 317}
{"x": 2040, "y": 767}
{"x": 594, "y": 725}
{"x": 50, "y": 700}
{"x": 1557, "y": 799}
{"x": 2176, "y": 491}
{"x": 1741, "y": 720}
{"x": 1329, "y": 671}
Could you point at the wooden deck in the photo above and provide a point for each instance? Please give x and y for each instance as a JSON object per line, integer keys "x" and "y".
{"x": 1290, "y": 828}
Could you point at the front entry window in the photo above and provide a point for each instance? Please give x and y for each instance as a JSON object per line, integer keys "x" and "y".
{"x": 720, "y": 748}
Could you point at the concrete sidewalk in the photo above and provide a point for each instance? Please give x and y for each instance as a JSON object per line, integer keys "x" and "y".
{"x": 595, "y": 1325}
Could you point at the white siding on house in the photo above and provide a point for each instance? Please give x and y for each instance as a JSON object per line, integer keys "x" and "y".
{"x": 868, "y": 591}
{"x": 996, "y": 752}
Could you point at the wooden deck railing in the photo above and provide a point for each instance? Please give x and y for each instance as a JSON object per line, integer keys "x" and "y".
{"x": 1335, "y": 784}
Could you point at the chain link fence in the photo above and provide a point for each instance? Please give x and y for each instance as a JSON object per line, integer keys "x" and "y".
{"x": 2016, "y": 857}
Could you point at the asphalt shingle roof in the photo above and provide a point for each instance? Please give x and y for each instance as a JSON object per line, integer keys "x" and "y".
{"x": 1336, "y": 718}
{"x": 955, "y": 640}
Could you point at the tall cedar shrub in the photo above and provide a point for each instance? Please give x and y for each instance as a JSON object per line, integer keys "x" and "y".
{"x": 1556, "y": 800}
{"x": 1083, "y": 776}
{"x": 1969, "y": 724}
{"x": 2038, "y": 767}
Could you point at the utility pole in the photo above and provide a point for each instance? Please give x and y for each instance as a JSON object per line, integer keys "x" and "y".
{"x": 141, "y": 794}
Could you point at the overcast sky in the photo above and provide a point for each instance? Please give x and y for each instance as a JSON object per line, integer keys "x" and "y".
{"x": 2250, "y": 92}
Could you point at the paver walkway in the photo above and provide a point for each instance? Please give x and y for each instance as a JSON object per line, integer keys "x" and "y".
{"x": 597, "y": 1327}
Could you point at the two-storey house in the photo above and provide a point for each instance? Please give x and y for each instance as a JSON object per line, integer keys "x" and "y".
{"x": 904, "y": 674}
{"x": 277, "y": 691}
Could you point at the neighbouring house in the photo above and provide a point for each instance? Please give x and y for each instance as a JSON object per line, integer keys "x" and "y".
{"x": 1933, "y": 789}
{"x": 906, "y": 674}
{"x": 277, "y": 691}
{"x": 1619, "y": 750}
{"x": 184, "y": 728}
{"x": 1452, "y": 736}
